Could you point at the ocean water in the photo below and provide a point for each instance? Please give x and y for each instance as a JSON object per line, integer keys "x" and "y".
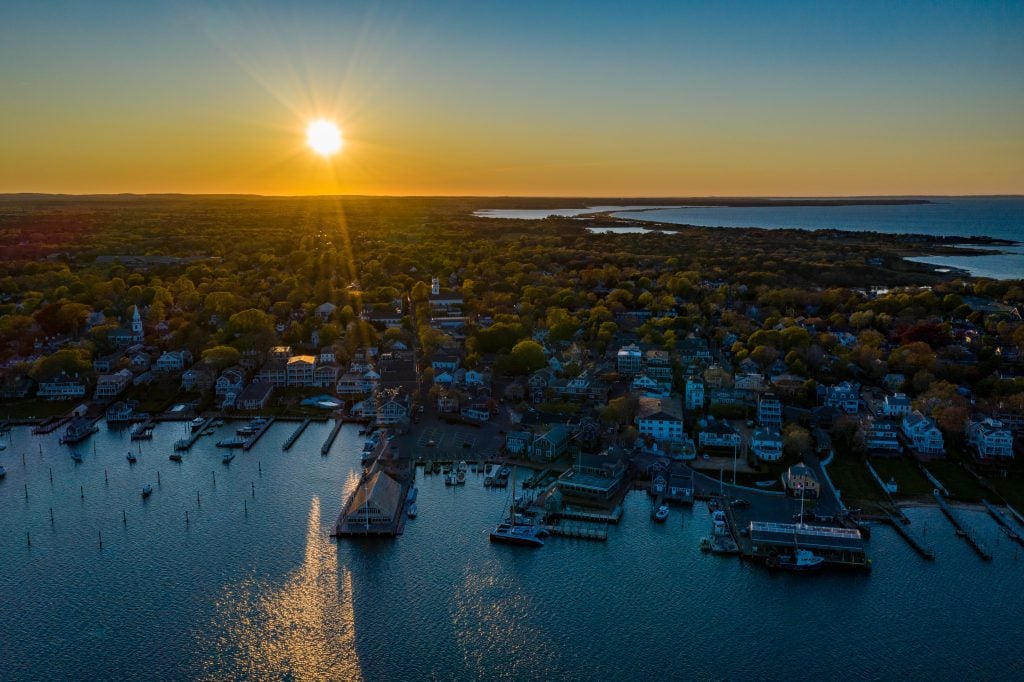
{"x": 253, "y": 587}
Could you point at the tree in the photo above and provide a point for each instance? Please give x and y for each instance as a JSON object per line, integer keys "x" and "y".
{"x": 70, "y": 360}
{"x": 528, "y": 356}
{"x": 221, "y": 357}
{"x": 796, "y": 439}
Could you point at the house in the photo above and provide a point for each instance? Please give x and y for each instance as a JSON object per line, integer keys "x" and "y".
{"x": 629, "y": 359}
{"x": 648, "y": 386}
{"x": 280, "y": 353}
{"x": 518, "y": 442}
{"x": 660, "y": 419}
{"x": 844, "y": 396}
{"x": 325, "y": 310}
{"x": 197, "y": 378}
{"x": 990, "y": 438}
{"x": 173, "y": 361}
{"x": 388, "y": 319}
{"x": 231, "y": 381}
{"x": 108, "y": 362}
{"x": 766, "y": 443}
{"x": 16, "y": 387}
{"x": 694, "y": 393}
{"x": 447, "y": 402}
{"x": 552, "y": 444}
{"x": 255, "y": 396}
{"x": 658, "y": 366}
{"x": 443, "y": 300}
{"x": 474, "y": 377}
{"x": 326, "y": 375}
{"x": 539, "y": 382}
{"x": 581, "y": 387}
{"x": 894, "y": 381}
{"x": 923, "y": 434}
{"x": 61, "y": 387}
{"x": 896, "y": 405}
{"x": 799, "y": 480}
{"x": 593, "y": 477}
{"x": 694, "y": 349}
{"x": 882, "y": 437}
{"x": 120, "y": 412}
{"x": 299, "y": 370}
{"x": 769, "y": 411}
{"x": 441, "y": 361}
{"x": 326, "y": 356}
{"x": 477, "y": 412}
{"x": 719, "y": 434}
{"x": 391, "y": 412}
{"x": 274, "y": 372}
{"x": 111, "y": 385}
{"x": 749, "y": 381}
{"x": 716, "y": 376}
{"x": 140, "y": 361}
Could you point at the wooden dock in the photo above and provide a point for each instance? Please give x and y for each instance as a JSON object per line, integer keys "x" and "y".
{"x": 259, "y": 434}
{"x": 194, "y": 435}
{"x": 295, "y": 435}
{"x": 51, "y": 425}
{"x": 580, "y": 531}
{"x": 612, "y": 516}
{"x": 962, "y": 530}
{"x": 1004, "y": 523}
{"x": 326, "y": 447}
{"x": 143, "y": 431}
{"x": 911, "y": 540}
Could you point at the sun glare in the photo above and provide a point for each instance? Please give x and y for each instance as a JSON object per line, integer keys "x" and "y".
{"x": 323, "y": 137}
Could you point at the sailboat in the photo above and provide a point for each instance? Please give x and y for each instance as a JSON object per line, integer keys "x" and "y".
{"x": 801, "y": 559}
{"x": 511, "y": 532}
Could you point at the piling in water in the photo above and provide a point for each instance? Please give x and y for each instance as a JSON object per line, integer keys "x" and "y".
{"x": 51, "y": 516}
{"x": 186, "y": 517}
{"x": 124, "y": 518}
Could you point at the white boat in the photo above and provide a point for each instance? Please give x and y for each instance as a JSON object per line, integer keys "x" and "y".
{"x": 512, "y": 532}
{"x": 661, "y": 513}
{"x": 460, "y": 477}
{"x": 800, "y": 560}
{"x": 411, "y": 512}
{"x": 450, "y": 477}
{"x": 147, "y": 490}
{"x": 197, "y": 423}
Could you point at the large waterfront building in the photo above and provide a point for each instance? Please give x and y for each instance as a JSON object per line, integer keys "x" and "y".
{"x": 769, "y": 411}
{"x": 660, "y": 419}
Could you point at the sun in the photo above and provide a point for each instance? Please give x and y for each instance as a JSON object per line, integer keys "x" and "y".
{"x": 323, "y": 137}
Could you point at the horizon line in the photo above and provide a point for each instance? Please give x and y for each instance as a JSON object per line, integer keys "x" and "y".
{"x": 666, "y": 197}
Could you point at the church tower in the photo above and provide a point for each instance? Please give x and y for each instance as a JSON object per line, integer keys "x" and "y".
{"x": 137, "y": 334}
{"x": 435, "y": 286}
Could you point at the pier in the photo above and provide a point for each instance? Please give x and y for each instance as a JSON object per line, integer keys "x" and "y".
{"x": 961, "y": 530}
{"x": 326, "y": 447}
{"x": 592, "y": 515}
{"x": 911, "y": 540}
{"x": 187, "y": 443}
{"x": 579, "y": 530}
{"x": 1004, "y": 523}
{"x": 259, "y": 434}
{"x": 295, "y": 435}
{"x": 50, "y": 425}
{"x": 144, "y": 431}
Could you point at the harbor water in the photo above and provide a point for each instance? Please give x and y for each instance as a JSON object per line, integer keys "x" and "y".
{"x": 252, "y": 585}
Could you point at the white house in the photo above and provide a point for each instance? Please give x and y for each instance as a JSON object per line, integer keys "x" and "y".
{"x": 844, "y": 396}
{"x": 629, "y": 359}
{"x": 352, "y": 383}
{"x": 173, "y": 361}
{"x": 325, "y": 310}
{"x": 111, "y": 385}
{"x": 719, "y": 434}
{"x": 442, "y": 362}
{"x": 61, "y": 387}
{"x": 477, "y": 412}
{"x": 767, "y": 444}
{"x": 990, "y": 439}
{"x": 444, "y": 378}
{"x": 695, "y": 393}
{"x": 896, "y": 405}
{"x": 660, "y": 419}
{"x": 923, "y": 434}
{"x": 769, "y": 411}
{"x": 299, "y": 370}
{"x": 881, "y": 436}
{"x": 648, "y": 386}
{"x": 391, "y": 412}
{"x": 230, "y": 381}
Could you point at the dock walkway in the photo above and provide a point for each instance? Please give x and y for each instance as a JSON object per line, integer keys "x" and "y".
{"x": 905, "y": 534}
{"x": 259, "y": 434}
{"x": 295, "y": 435}
{"x": 326, "y": 447}
{"x": 187, "y": 443}
{"x": 1004, "y": 523}
{"x": 963, "y": 531}
{"x": 580, "y": 531}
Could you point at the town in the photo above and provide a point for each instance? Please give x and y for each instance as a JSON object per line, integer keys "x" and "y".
{"x": 804, "y": 383}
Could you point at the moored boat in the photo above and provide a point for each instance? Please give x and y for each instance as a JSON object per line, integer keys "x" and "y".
{"x": 411, "y": 511}
{"x": 233, "y": 442}
{"x": 147, "y": 490}
{"x": 174, "y": 457}
{"x": 661, "y": 513}
{"x": 460, "y": 477}
{"x": 197, "y": 423}
{"x": 3, "y": 472}
{"x": 800, "y": 560}
{"x": 228, "y": 456}
{"x": 131, "y": 457}
{"x": 77, "y": 456}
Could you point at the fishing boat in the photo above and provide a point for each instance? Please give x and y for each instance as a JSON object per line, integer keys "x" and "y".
{"x": 510, "y": 531}
{"x": 175, "y": 457}
{"x": 800, "y": 560}
{"x": 228, "y": 456}
{"x": 661, "y": 513}
{"x": 411, "y": 512}
{"x": 131, "y": 457}
{"x": 77, "y": 456}
{"x": 147, "y": 490}
{"x": 197, "y": 423}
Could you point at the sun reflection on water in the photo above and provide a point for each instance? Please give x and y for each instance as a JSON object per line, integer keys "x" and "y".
{"x": 303, "y": 629}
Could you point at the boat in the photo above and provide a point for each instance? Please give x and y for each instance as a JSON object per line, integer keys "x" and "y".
{"x": 460, "y": 477}
{"x": 175, "y": 457}
{"x": 706, "y": 545}
{"x": 228, "y": 456}
{"x": 197, "y": 423}
{"x": 3, "y": 446}
{"x": 411, "y": 496}
{"x": 411, "y": 512}
{"x": 449, "y": 477}
{"x": 510, "y": 531}
{"x": 435, "y": 468}
{"x": 147, "y": 490}
{"x": 131, "y": 457}
{"x": 3, "y": 472}
{"x": 77, "y": 456}
{"x": 800, "y": 560}
{"x": 208, "y": 432}
{"x": 661, "y": 513}
{"x": 234, "y": 442}
{"x": 217, "y": 422}
{"x": 462, "y": 466}
{"x": 246, "y": 430}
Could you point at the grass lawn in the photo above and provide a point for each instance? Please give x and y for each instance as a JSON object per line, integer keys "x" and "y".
{"x": 855, "y": 483}
{"x": 1012, "y": 489}
{"x": 911, "y": 481}
{"x": 960, "y": 483}
{"x": 154, "y": 397}
{"x": 38, "y": 409}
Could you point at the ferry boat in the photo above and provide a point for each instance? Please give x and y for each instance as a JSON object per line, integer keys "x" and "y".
{"x": 228, "y": 456}
{"x": 147, "y": 490}
{"x": 174, "y": 457}
{"x": 800, "y": 560}
{"x": 131, "y": 457}
{"x": 661, "y": 513}
{"x": 197, "y": 423}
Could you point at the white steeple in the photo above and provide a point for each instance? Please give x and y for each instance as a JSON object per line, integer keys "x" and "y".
{"x": 136, "y": 324}
{"x": 435, "y": 286}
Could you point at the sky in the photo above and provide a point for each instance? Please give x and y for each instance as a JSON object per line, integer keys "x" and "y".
{"x": 514, "y": 98}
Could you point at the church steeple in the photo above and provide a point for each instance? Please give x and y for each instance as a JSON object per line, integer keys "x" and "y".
{"x": 435, "y": 286}
{"x": 137, "y": 333}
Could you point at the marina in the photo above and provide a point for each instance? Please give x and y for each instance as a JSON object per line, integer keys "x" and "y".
{"x": 195, "y": 433}
{"x": 295, "y": 435}
{"x": 961, "y": 529}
